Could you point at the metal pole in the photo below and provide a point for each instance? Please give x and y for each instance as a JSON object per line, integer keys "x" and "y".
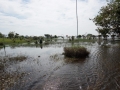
{"x": 77, "y": 17}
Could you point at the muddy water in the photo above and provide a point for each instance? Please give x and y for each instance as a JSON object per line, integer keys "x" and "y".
{"x": 47, "y": 69}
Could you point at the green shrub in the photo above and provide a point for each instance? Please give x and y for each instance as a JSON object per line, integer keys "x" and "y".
{"x": 1, "y": 44}
{"x": 76, "y": 52}
{"x": 18, "y": 58}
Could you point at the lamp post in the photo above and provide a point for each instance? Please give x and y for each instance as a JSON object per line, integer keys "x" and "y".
{"x": 77, "y": 17}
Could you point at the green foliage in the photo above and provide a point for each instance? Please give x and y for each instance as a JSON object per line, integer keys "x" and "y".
{"x": 47, "y": 35}
{"x": 35, "y": 38}
{"x": 89, "y": 35}
{"x": 11, "y": 34}
{"x": 76, "y": 52}
{"x": 108, "y": 19}
{"x": 55, "y": 36}
{"x": 72, "y": 38}
{"x": 10, "y": 41}
{"x": 1, "y": 35}
{"x": 21, "y": 37}
{"x": 16, "y": 35}
{"x": 79, "y": 36}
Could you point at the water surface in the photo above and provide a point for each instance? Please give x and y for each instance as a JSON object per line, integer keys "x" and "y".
{"x": 47, "y": 69}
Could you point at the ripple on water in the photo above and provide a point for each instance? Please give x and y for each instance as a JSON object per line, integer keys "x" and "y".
{"x": 100, "y": 71}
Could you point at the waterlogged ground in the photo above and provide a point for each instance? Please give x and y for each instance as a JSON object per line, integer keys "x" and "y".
{"x": 45, "y": 68}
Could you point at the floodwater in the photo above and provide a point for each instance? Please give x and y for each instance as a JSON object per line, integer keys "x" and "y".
{"x": 47, "y": 69}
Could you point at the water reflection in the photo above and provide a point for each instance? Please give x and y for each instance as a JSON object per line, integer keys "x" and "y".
{"x": 4, "y": 50}
{"x": 40, "y": 45}
{"x": 99, "y": 71}
{"x": 99, "y": 42}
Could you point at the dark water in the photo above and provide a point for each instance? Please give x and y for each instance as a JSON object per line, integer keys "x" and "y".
{"x": 52, "y": 71}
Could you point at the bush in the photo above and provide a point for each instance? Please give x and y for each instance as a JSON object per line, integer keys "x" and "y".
{"x": 18, "y": 58}
{"x": 1, "y": 44}
{"x": 75, "y": 52}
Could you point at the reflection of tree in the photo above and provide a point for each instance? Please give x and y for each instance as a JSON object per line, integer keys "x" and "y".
{"x": 113, "y": 36}
{"x": 72, "y": 43}
{"x": 41, "y": 46}
{"x": 99, "y": 36}
{"x": 4, "y": 50}
{"x": 13, "y": 46}
{"x": 1, "y": 47}
{"x": 36, "y": 45}
{"x": 105, "y": 42}
{"x": 99, "y": 42}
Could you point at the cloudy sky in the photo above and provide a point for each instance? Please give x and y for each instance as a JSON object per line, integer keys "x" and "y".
{"x": 55, "y": 17}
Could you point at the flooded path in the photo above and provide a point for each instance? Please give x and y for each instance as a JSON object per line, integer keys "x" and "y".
{"x": 48, "y": 69}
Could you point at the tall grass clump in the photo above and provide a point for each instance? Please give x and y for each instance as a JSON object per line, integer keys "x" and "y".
{"x": 18, "y": 58}
{"x": 76, "y": 52}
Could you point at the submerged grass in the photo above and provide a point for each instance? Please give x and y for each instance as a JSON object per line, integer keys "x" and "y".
{"x": 18, "y": 58}
{"x": 8, "y": 80}
{"x": 76, "y": 52}
{"x": 5, "y": 60}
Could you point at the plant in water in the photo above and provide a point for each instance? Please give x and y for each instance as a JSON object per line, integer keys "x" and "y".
{"x": 76, "y": 52}
{"x": 18, "y": 58}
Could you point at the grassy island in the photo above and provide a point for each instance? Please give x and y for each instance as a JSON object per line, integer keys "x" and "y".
{"x": 76, "y": 52}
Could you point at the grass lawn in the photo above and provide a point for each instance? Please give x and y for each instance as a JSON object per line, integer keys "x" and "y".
{"x": 11, "y": 41}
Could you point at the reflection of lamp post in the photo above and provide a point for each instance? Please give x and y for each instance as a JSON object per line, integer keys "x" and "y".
{"x": 77, "y": 17}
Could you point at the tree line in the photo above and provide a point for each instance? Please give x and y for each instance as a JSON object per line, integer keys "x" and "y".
{"x": 13, "y": 35}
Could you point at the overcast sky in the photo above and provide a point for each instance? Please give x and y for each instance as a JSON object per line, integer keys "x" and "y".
{"x": 55, "y": 17}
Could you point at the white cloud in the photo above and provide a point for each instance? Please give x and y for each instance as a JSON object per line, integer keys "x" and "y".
{"x": 38, "y": 17}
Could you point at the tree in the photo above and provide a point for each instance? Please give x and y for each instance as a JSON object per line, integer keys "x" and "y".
{"x": 108, "y": 18}
{"x": 79, "y": 36}
{"x": 35, "y": 37}
{"x": 1, "y": 35}
{"x": 72, "y": 38}
{"x": 21, "y": 37}
{"x": 83, "y": 36}
{"x": 16, "y": 35}
{"x": 11, "y": 34}
{"x": 47, "y": 36}
{"x": 55, "y": 36}
{"x": 89, "y": 36}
